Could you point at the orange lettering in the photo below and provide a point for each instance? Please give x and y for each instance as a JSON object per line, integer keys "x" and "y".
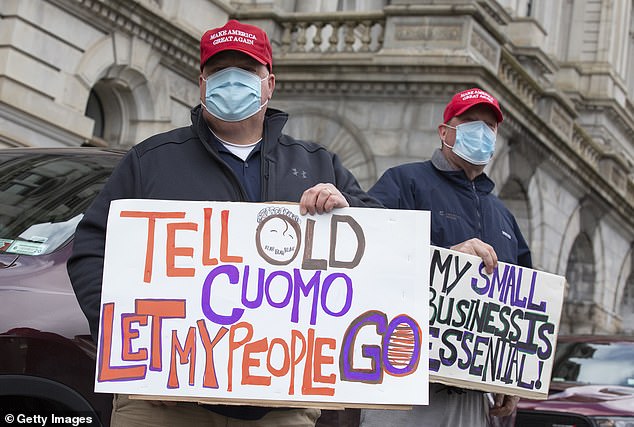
{"x": 296, "y": 336}
{"x": 259, "y": 346}
{"x": 287, "y": 362}
{"x": 128, "y": 334}
{"x": 320, "y": 360}
{"x": 187, "y": 354}
{"x": 171, "y": 251}
{"x": 151, "y": 216}
{"x": 209, "y": 377}
{"x": 108, "y": 372}
{"x": 207, "y": 239}
{"x": 159, "y": 310}
{"x": 224, "y": 240}
{"x": 307, "y": 385}
{"x": 234, "y": 345}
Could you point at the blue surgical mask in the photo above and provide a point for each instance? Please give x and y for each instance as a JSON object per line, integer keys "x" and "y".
{"x": 233, "y": 94}
{"x": 475, "y": 142}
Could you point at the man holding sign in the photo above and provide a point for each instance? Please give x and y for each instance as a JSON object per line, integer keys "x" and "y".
{"x": 234, "y": 150}
{"x": 466, "y": 217}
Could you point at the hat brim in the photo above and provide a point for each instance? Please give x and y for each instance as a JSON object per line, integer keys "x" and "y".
{"x": 496, "y": 109}
{"x": 251, "y": 54}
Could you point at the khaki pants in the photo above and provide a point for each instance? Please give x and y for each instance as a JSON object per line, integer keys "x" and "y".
{"x": 141, "y": 413}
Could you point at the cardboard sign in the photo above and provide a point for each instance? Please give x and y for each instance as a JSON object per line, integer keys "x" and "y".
{"x": 492, "y": 332}
{"x": 254, "y": 303}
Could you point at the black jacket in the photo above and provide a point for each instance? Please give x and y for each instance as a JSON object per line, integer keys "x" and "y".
{"x": 183, "y": 164}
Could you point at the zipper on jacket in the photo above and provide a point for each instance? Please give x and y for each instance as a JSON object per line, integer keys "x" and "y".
{"x": 264, "y": 182}
{"x": 236, "y": 181}
{"x": 479, "y": 225}
{"x": 199, "y": 133}
{"x": 265, "y": 164}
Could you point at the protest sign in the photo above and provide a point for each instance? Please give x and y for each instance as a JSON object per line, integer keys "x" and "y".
{"x": 492, "y": 332}
{"x": 253, "y": 303}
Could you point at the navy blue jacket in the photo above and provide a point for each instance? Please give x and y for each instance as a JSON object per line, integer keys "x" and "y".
{"x": 460, "y": 209}
{"x": 184, "y": 164}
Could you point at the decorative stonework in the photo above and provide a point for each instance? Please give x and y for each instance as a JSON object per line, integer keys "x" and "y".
{"x": 179, "y": 50}
{"x": 511, "y": 75}
{"x": 612, "y": 171}
{"x": 585, "y": 147}
{"x": 331, "y": 33}
{"x": 437, "y": 32}
{"x": 561, "y": 121}
{"x": 485, "y": 46}
{"x": 368, "y": 88}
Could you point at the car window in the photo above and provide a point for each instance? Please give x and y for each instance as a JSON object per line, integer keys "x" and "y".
{"x": 43, "y": 197}
{"x": 595, "y": 363}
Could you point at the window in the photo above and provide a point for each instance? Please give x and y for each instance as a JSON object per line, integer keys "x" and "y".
{"x": 94, "y": 110}
{"x": 580, "y": 271}
{"x": 43, "y": 197}
{"x": 627, "y": 305}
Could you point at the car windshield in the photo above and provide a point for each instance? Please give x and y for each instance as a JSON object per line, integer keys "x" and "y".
{"x": 609, "y": 363}
{"x": 43, "y": 196}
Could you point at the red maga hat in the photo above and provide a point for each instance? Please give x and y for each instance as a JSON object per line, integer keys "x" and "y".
{"x": 235, "y": 35}
{"x": 466, "y": 99}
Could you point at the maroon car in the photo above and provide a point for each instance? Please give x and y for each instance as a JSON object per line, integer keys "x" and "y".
{"x": 47, "y": 358}
{"x": 592, "y": 385}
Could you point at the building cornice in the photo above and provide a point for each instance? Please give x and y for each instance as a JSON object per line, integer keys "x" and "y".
{"x": 357, "y": 62}
{"x": 546, "y": 116}
{"x": 178, "y": 49}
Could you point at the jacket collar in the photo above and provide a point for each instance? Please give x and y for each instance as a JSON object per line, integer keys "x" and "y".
{"x": 274, "y": 122}
{"x": 482, "y": 182}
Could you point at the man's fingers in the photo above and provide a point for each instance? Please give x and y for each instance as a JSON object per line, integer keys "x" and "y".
{"x": 488, "y": 255}
{"x": 305, "y": 204}
{"x": 479, "y": 248}
{"x": 321, "y": 198}
{"x": 504, "y": 405}
{"x": 499, "y": 399}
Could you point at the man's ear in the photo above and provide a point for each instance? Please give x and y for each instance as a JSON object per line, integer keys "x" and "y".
{"x": 442, "y": 131}
{"x": 271, "y": 83}
{"x": 201, "y": 86}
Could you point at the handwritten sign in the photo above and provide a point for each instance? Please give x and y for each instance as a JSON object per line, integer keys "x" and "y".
{"x": 492, "y": 332}
{"x": 254, "y": 303}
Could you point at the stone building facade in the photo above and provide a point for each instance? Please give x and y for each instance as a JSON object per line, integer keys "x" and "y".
{"x": 370, "y": 79}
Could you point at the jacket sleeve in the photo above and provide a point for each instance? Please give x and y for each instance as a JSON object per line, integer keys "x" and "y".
{"x": 85, "y": 266}
{"x": 389, "y": 190}
{"x": 349, "y": 187}
{"x": 523, "y": 252}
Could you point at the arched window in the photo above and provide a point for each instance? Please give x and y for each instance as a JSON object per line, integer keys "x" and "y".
{"x": 94, "y": 110}
{"x": 580, "y": 271}
{"x": 627, "y": 305}
{"x": 111, "y": 106}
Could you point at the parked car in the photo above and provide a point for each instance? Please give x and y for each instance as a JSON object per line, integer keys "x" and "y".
{"x": 592, "y": 385}
{"x": 47, "y": 358}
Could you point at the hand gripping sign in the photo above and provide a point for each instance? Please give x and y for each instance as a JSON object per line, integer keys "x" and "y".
{"x": 253, "y": 303}
{"x": 493, "y": 332}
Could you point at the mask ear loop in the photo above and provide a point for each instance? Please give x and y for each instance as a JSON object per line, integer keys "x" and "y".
{"x": 442, "y": 140}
